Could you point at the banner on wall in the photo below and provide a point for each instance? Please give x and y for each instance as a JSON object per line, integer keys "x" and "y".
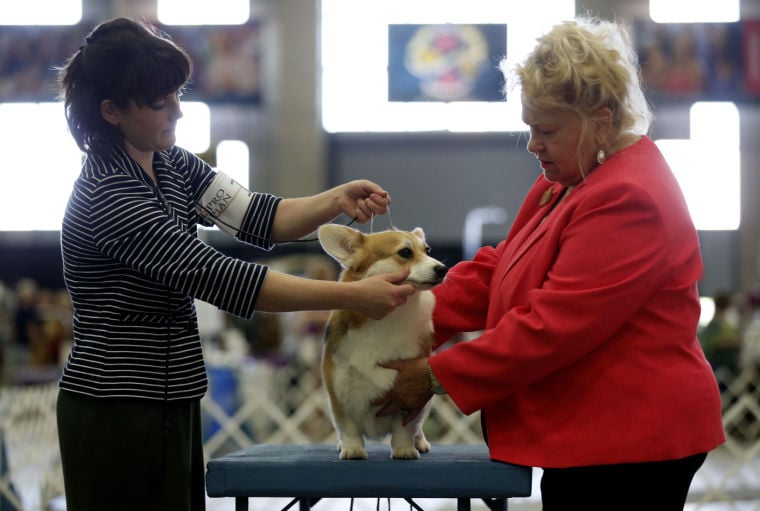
{"x": 751, "y": 39}
{"x": 226, "y": 60}
{"x": 446, "y": 62}
{"x": 699, "y": 61}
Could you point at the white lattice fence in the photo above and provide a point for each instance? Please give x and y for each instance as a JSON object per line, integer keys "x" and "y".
{"x": 286, "y": 404}
{"x": 28, "y": 427}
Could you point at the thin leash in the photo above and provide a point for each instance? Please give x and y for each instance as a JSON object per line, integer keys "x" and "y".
{"x": 300, "y": 240}
{"x": 387, "y": 213}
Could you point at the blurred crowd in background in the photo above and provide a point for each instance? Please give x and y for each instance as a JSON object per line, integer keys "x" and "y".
{"x": 36, "y": 329}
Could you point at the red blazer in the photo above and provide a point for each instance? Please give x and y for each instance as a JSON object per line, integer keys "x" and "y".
{"x": 588, "y": 353}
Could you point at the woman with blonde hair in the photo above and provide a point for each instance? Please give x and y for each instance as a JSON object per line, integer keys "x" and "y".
{"x": 587, "y": 362}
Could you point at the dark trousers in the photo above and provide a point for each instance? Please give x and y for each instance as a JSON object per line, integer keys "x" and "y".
{"x": 654, "y": 486}
{"x": 130, "y": 454}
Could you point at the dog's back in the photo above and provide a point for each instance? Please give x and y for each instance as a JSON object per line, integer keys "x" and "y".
{"x": 354, "y": 343}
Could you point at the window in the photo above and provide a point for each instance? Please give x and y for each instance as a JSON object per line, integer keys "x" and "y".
{"x": 202, "y": 12}
{"x": 232, "y": 158}
{"x": 707, "y": 165}
{"x": 42, "y": 12}
{"x": 355, "y": 62}
{"x": 38, "y": 174}
{"x": 693, "y": 11}
{"x": 39, "y": 171}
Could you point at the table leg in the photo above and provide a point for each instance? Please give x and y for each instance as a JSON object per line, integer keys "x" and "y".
{"x": 241, "y": 503}
{"x": 412, "y": 504}
{"x": 496, "y": 504}
{"x": 306, "y": 503}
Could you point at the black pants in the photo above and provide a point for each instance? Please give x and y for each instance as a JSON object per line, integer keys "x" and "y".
{"x": 130, "y": 454}
{"x": 654, "y": 486}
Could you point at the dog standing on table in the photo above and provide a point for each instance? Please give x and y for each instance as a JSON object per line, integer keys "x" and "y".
{"x": 355, "y": 344}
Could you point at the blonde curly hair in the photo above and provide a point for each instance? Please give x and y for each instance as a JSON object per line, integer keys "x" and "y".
{"x": 583, "y": 66}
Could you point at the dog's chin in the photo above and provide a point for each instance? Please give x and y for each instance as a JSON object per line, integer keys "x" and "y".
{"x": 423, "y": 286}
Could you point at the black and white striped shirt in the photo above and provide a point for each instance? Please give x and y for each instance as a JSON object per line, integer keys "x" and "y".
{"x": 133, "y": 264}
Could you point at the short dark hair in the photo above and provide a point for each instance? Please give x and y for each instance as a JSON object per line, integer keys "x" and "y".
{"x": 122, "y": 60}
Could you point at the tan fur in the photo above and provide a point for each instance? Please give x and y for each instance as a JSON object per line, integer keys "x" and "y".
{"x": 354, "y": 343}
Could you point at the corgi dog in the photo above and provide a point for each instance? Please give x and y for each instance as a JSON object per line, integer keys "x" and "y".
{"x": 355, "y": 344}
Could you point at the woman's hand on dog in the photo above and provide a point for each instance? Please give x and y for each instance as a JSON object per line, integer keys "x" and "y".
{"x": 382, "y": 293}
{"x": 410, "y": 391}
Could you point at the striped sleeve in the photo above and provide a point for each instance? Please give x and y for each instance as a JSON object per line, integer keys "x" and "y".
{"x": 131, "y": 225}
{"x": 256, "y": 228}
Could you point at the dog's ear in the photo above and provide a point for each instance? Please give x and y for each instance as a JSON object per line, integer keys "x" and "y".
{"x": 340, "y": 242}
{"x": 419, "y": 233}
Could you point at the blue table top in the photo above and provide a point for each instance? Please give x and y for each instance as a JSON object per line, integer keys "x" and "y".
{"x": 447, "y": 471}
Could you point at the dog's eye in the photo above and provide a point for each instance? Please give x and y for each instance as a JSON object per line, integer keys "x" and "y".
{"x": 406, "y": 253}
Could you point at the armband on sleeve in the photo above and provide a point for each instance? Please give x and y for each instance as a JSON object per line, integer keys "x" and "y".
{"x": 225, "y": 202}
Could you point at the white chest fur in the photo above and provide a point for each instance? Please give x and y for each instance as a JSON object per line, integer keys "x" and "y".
{"x": 403, "y": 334}
{"x": 356, "y": 345}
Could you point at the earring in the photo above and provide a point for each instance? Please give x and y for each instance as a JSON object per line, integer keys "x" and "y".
{"x": 601, "y": 156}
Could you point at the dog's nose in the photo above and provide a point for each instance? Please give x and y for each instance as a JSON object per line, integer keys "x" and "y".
{"x": 441, "y": 270}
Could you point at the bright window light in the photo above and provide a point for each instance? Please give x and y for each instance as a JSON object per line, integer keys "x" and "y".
{"x": 355, "y": 62}
{"x": 708, "y": 310}
{"x": 232, "y": 158}
{"x": 694, "y": 11}
{"x": 41, "y": 184}
{"x": 42, "y": 12}
{"x": 194, "y": 129}
{"x": 707, "y": 165}
{"x": 202, "y": 12}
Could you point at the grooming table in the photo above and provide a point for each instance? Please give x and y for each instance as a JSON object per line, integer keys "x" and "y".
{"x": 309, "y": 473}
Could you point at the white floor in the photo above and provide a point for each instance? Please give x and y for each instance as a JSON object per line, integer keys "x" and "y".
{"x": 739, "y": 491}
{"x": 522, "y": 504}
{"x": 746, "y": 484}
{"x": 532, "y": 503}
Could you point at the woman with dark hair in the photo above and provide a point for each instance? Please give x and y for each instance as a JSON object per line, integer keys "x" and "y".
{"x": 128, "y": 407}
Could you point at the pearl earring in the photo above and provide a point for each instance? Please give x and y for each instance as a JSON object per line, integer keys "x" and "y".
{"x": 601, "y": 156}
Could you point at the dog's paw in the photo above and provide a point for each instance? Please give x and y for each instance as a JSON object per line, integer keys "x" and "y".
{"x": 405, "y": 453}
{"x": 422, "y": 444}
{"x": 353, "y": 453}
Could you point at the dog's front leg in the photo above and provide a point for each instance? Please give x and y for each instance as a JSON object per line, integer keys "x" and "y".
{"x": 403, "y": 439}
{"x": 351, "y": 441}
{"x": 420, "y": 441}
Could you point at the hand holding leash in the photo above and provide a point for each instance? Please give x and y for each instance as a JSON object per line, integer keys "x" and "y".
{"x": 362, "y": 200}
